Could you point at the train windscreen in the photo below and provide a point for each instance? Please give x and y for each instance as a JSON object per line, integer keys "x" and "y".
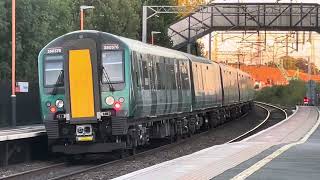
{"x": 112, "y": 62}
{"x": 53, "y": 71}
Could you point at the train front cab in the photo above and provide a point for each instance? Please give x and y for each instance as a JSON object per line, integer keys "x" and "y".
{"x": 84, "y": 121}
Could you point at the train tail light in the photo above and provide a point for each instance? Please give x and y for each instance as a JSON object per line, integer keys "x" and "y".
{"x": 53, "y": 109}
{"x": 117, "y": 106}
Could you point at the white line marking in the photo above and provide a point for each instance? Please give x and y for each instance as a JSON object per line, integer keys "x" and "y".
{"x": 246, "y": 173}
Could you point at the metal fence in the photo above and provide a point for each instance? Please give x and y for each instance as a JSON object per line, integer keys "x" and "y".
{"x": 28, "y": 105}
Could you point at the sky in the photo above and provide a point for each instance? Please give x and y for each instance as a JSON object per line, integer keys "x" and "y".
{"x": 232, "y": 44}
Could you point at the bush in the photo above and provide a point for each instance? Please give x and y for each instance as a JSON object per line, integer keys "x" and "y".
{"x": 285, "y": 95}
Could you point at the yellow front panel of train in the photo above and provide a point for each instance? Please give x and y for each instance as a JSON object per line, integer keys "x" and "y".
{"x": 81, "y": 84}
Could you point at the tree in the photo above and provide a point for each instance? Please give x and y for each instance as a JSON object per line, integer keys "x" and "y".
{"x": 37, "y": 23}
{"x": 4, "y": 34}
{"x": 117, "y": 17}
{"x": 159, "y": 23}
{"x": 191, "y": 4}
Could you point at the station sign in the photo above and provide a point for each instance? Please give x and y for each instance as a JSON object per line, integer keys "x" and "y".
{"x": 22, "y": 87}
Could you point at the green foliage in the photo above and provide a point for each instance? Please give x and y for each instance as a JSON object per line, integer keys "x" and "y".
{"x": 299, "y": 63}
{"x": 40, "y": 21}
{"x": 288, "y": 95}
{"x": 161, "y": 23}
{"x": 4, "y": 34}
{"x": 37, "y": 23}
{"x": 116, "y": 17}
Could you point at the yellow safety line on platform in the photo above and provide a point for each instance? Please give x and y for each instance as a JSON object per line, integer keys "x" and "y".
{"x": 246, "y": 173}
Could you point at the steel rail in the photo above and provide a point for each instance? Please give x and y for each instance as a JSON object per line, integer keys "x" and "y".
{"x": 261, "y": 105}
{"x": 29, "y": 172}
{"x": 163, "y": 147}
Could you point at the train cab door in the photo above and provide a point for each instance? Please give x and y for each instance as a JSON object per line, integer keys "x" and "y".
{"x": 81, "y": 77}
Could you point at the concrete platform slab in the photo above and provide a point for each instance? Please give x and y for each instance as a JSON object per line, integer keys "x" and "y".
{"x": 21, "y": 132}
{"x": 215, "y": 160}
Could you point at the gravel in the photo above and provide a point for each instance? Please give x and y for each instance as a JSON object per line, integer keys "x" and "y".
{"x": 21, "y": 167}
{"x": 217, "y": 136}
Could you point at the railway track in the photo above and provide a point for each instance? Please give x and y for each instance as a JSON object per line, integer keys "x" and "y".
{"x": 273, "y": 113}
{"x": 65, "y": 170}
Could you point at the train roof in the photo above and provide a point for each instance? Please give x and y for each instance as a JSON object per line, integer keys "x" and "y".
{"x": 158, "y": 50}
{"x": 139, "y": 46}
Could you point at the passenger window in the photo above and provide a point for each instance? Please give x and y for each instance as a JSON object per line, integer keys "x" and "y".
{"x": 186, "y": 77}
{"x": 173, "y": 77}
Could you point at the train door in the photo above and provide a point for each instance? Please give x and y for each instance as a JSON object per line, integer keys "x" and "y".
{"x": 170, "y": 78}
{"x": 153, "y": 90}
{"x": 161, "y": 69}
{"x": 137, "y": 81}
{"x": 81, "y": 81}
{"x": 175, "y": 95}
{"x": 179, "y": 85}
{"x": 160, "y": 91}
{"x": 146, "y": 85}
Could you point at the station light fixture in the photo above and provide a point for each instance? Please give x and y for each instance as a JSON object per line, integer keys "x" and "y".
{"x": 152, "y": 36}
{"x": 82, "y": 8}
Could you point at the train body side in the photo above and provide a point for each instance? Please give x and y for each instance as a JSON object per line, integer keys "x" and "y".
{"x": 101, "y": 92}
{"x": 206, "y": 83}
{"x": 230, "y": 85}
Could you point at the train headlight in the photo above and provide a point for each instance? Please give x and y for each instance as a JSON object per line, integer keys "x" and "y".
{"x": 121, "y": 100}
{"x": 109, "y": 100}
{"x": 48, "y": 103}
{"x": 59, "y": 103}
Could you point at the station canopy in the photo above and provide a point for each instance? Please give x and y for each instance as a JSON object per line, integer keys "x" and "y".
{"x": 243, "y": 17}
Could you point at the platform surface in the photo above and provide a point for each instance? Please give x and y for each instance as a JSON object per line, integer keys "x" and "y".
{"x": 299, "y": 162}
{"x": 218, "y": 161}
{"x": 21, "y": 132}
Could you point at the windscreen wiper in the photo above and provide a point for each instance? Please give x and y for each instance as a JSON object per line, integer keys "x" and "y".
{"x": 58, "y": 82}
{"x": 104, "y": 72}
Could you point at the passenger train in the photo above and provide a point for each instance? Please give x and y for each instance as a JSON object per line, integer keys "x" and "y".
{"x": 101, "y": 92}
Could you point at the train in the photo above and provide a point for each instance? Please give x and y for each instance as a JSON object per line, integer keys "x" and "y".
{"x": 100, "y": 92}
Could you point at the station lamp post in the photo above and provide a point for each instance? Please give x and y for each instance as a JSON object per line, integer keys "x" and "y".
{"x": 13, "y": 64}
{"x": 307, "y": 52}
{"x": 82, "y": 8}
{"x": 152, "y": 36}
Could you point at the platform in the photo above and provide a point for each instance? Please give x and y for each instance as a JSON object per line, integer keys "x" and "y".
{"x": 19, "y": 139}
{"x": 242, "y": 159}
{"x": 21, "y": 132}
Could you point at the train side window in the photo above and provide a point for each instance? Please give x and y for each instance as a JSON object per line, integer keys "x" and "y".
{"x": 172, "y": 74}
{"x": 145, "y": 75}
{"x": 184, "y": 75}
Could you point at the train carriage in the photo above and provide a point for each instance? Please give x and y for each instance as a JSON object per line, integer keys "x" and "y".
{"x": 101, "y": 92}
